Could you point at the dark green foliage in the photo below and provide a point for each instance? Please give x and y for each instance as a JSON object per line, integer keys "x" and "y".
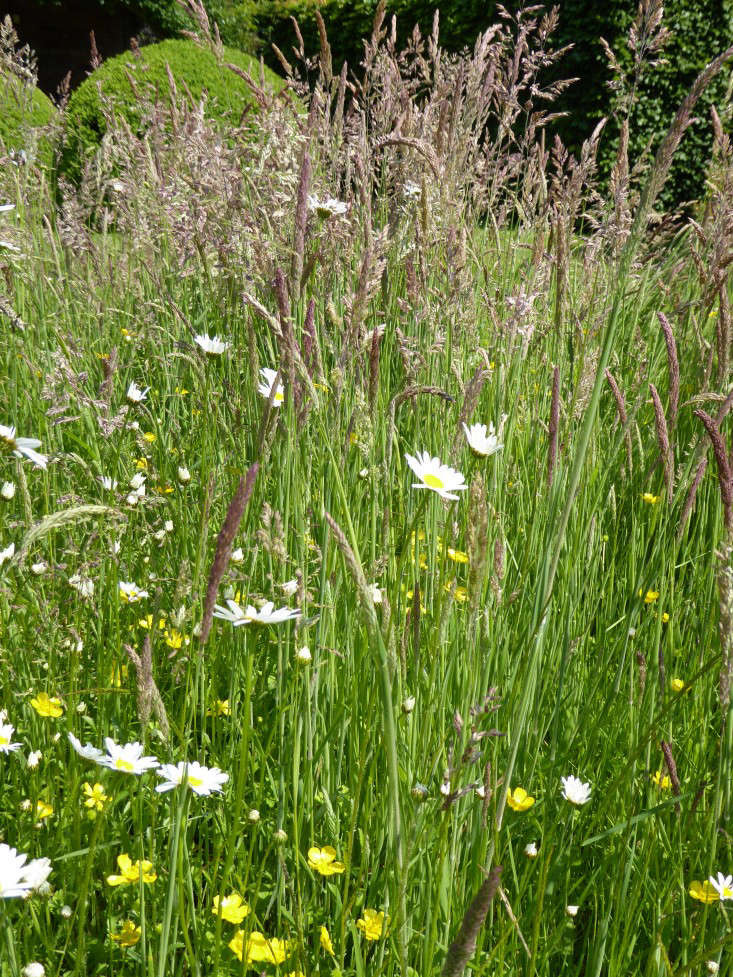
{"x": 190, "y": 65}
{"x": 24, "y": 110}
{"x": 701, "y": 29}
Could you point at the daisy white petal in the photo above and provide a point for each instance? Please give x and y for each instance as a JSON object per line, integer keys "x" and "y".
{"x": 481, "y": 441}
{"x": 434, "y": 475}
{"x": 575, "y": 790}
{"x": 723, "y": 885}
{"x": 268, "y": 378}
{"x": 202, "y": 780}
{"x": 213, "y": 345}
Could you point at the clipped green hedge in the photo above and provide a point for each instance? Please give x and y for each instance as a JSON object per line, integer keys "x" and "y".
{"x": 24, "y": 112}
{"x": 701, "y": 30}
{"x": 190, "y": 65}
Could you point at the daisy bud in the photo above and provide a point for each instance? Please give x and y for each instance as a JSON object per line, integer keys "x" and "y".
{"x": 408, "y": 705}
{"x": 237, "y": 555}
{"x": 8, "y": 490}
{"x": 34, "y": 759}
{"x": 66, "y": 912}
{"x": 184, "y": 476}
{"x": 81, "y": 708}
{"x": 303, "y": 655}
{"x": 419, "y": 792}
{"x": 572, "y": 910}
{"x": 254, "y": 816}
{"x": 280, "y": 836}
{"x": 713, "y": 966}
{"x": 25, "y": 805}
{"x": 530, "y": 850}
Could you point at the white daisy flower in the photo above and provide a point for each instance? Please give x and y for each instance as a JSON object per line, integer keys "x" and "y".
{"x": 184, "y": 476}
{"x": 481, "y": 441}
{"x": 34, "y": 758}
{"x": 723, "y": 885}
{"x": 575, "y": 790}
{"x": 214, "y": 346}
{"x": 237, "y": 556}
{"x": 250, "y": 615}
{"x": 375, "y": 593}
{"x": 135, "y": 395}
{"x": 33, "y": 969}
{"x": 137, "y": 482}
{"x": 265, "y": 388}
{"x": 130, "y": 593}
{"x": 290, "y": 587}
{"x": 331, "y": 207}
{"x": 107, "y": 483}
{"x": 6, "y": 737}
{"x": 127, "y": 759}
{"x": 39, "y": 568}
{"x": 436, "y": 476}
{"x": 303, "y": 655}
{"x": 8, "y": 490}
{"x": 23, "y": 447}
{"x": 18, "y": 876}
{"x": 87, "y": 751}
{"x": 202, "y": 780}
{"x": 7, "y": 553}
{"x": 84, "y": 585}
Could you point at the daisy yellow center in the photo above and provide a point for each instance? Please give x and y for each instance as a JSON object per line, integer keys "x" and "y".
{"x": 4, "y": 740}
{"x": 122, "y": 764}
{"x": 278, "y": 398}
{"x": 195, "y": 781}
{"x": 727, "y": 892}
{"x": 432, "y": 481}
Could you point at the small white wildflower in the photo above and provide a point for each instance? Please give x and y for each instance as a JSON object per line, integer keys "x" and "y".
{"x": 39, "y": 568}
{"x": 572, "y": 910}
{"x": 575, "y": 790}
{"x": 135, "y": 395}
{"x": 331, "y": 207}
{"x": 25, "y": 805}
{"x": 34, "y": 758}
{"x": 33, "y": 969}
{"x": 266, "y": 385}
{"x": 184, "y": 476}
{"x": 280, "y": 836}
{"x": 83, "y": 585}
{"x": 137, "y": 482}
{"x": 480, "y": 791}
{"x": 289, "y": 587}
{"x": 107, "y": 483}
{"x": 168, "y": 525}
{"x": 253, "y": 816}
{"x": 7, "y": 553}
{"x": 530, "y": 850}
{"x": 114, "y": 547}
{"x": 81, "y": 708}
{"x": 237, "y": 555}
{"x": 23, "y": 447}
{"x": 212, "y": 345}
{"x": 375, "y": 593}
{"x": 66, "y": 912}
{"x": 713, "y": 966}
{"x": 408, "y": 705}
{"x": 8, "y": 491}
{"x": 303, "y": 655}
{"x": 445, "y": 788}
{"x": 481, "y": 441}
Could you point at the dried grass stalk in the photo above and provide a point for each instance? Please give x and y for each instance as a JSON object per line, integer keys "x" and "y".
{"x": 224, "y": 545}
{"x": 673, "y": 367}
{"x": 725, "y": 625}
{"x": 671, "y": 767}
{"x": 462, "y": 948}
{"x": 725, "y": 480}
{"x": 665, "y": 450}
{"x": 149, "y": 701}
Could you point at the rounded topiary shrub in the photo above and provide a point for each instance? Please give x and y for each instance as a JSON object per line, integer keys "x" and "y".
{"x": 193, "y": 68}
{"x": 25, "y": 112}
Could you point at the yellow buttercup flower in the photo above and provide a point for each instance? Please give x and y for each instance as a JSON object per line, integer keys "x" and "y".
{"x": 43, "y": 810}
{"x": 661, "y": 781}
{"x": 219, "y": 707}
{"x": 326, "y": 941}
{"x": 132, "y": 871}
{"x": 458, "y": 556}
{"x": 677, "y": 685}
{"x": 96, "y": 799}
{"x": 703, "y": 892}
{"x": 149, "y": 437}
{"x": 323, "y": 860}
{"x": 650, "y": 596}
{"x": 519, "y": 800}
{"x": 129, "y": 935}
{"x": 47, "y": 707}
{"x": 141, "y": 463}
{"x": 256, "y": 948}
{"x": 371, "y": 924}
{"x": 233, "y": 908}
{"x": 651, "y": 499}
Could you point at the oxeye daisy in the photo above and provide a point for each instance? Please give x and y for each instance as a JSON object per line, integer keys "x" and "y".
{"x": 723, "y": 885}
{"x": 331, "y": 207}
{"x": 135, "y": 395}
{"x": 18, "y": 876}
{"x": 22, "y": 447}
{"x": 268, "y": 378}
{"x": 482, "y": 441}
{"x": 130, "y": 593}
{"x": 250, "y": 615}
{"x": 202, "y": 780}
{"x": 212, "y": 345}
{"x": 433, "y": 474}
{"x": 575, "y": 790}
{"x": 6, "y": 738}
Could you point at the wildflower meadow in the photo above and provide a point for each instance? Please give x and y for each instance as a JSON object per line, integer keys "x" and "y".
{"x": 366, "y": 530}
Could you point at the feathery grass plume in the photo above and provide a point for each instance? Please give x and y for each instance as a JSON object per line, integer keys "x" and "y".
{"x": 462, "y": 948}
{"x": 325, "y": 63}
{"x": 554, "y": 422}
{"x": 673, "y": 367}
{"x": 471, "y": 394}
{"x": 7, "y": 310}
{"x": 149, "y": 701}
{"x": 671, "y": 767}
{"x": 725, "y": 625}
{"x": 287, "y": 347}
{"x": 301, "y": 222}
{"x": 690, "y": 500}
{"x": 57, "y": 520}
{"x": 665, "y": 450}
{"x": 362, "y": 588}
{"x": 725, "y": 478}
{"x": 224, "y": 546}
{"x": 374, "y": 369}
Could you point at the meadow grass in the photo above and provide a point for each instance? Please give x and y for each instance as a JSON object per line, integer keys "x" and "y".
{"x": 566, "y": 615}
